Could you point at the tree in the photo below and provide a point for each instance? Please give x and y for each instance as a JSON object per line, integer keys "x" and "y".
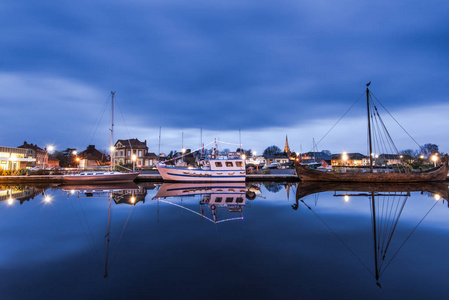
{"x": 327, "y": 152}
{"x": 409, "y": 155}
{"x": 271, "y": 151}
{"x": 429, "y": 149}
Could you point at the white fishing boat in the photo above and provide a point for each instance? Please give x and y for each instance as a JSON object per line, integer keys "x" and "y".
{"x": 100, "y": 177}
{"x": 209, "y": 170}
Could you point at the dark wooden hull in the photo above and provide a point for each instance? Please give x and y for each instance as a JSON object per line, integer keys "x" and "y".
{"x": 312, "y": 187}
{"x": 306, "y": 174}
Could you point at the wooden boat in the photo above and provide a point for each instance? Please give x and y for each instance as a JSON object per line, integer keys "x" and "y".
{"x": 100, "y": 177}
{"x": 439, "y": 173}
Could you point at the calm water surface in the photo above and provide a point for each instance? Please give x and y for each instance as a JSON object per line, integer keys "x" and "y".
{"x": 224, "y": 242}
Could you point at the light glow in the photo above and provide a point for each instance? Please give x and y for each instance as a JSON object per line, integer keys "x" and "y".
{"x": 346, "y": 198}
{"x": 437, "y": 197}
{"x": 10, "y": 201}
{"x": 133, "y": 199}
{"x": 47, "y": 199}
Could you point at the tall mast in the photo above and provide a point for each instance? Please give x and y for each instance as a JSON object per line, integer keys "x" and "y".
{"x": 369, "y": 131}
{"x": 160, "y": 129}
{"x": 112, "y": 129}
{"x": 107, "y": 237}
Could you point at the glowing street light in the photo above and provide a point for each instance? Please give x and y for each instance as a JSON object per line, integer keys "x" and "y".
{"x": 47, "y": 199}
{"x": 344, "y": 157}
{"x": 183, "y": 150}
{"x": 435, "y": 158}
{"x": 133, "y": 200}
{"x": 74, "y": 152}
{"x": 346, "y": 198}
{"x": 437, "y": 197}
{"x": 254, "y": 153}
{"x": 10, "y": 201}
{"x": 134, "y": 158}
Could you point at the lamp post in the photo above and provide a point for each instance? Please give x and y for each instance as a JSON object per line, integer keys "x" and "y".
{"x": 134, "y": 157}
{"x": 344, "y": 157}
{"x": 435, "y": 158}
{"x": 77, "y": 162}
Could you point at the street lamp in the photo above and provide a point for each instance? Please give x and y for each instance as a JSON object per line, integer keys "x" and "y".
{"x": 77, "y": 162}
{"x": 134, "y": 157}
{"x": 435, "y": 158}
{"x": 344, "y": 157}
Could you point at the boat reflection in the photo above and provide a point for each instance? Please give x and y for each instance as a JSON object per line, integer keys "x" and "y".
{"x": 219, "y": 199}
{"x": 387, "y": 202}
{"x": 121, "y": 193}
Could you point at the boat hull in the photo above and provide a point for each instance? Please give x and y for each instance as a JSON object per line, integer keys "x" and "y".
{"x": 99, "y": 179}
{"x": 306, "y": 174}
{"x": 174, "y": 174}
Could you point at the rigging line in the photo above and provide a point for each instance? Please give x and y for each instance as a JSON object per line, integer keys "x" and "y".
{"x": 89, "y": 242}
{"x": 338, "y": 238}
{"x": 395, "y": 225}
{"x": 96, "y": 122}
{"x": 121, "y": 234}
{"x": 124, "y": 124}
{"x": 88, "y": 228}
{"x": 414, "y": 229}
{"x": 420, "y": 147}
{"x": 340, "y": 119}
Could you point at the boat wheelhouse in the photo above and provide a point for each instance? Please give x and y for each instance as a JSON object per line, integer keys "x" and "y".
{"x": 209, "y": 170}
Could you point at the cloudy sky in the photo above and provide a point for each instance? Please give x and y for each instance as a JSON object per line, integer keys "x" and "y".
{"x": 267, "y": 68}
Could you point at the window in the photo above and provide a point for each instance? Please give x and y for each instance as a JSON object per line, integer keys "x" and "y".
{"x": 116, "y": 153}
{"x": 218, "y": 164}
{"x": 218, "y": 199}
{"x": 121, "y": 153}
{"x": 239, "y": 200}
{"x": 229, "y": 199}
{"x": 140, "y": 153}
{"x": 229, "y": 164}
{"x": 239, "y": 164}
{"x": 129, "y": 152}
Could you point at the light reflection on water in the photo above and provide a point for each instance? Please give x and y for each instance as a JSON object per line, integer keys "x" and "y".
{"x": 224, "y": 240}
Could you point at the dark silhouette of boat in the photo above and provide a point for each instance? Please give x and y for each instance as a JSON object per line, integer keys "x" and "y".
{"x": 399, "y": 175}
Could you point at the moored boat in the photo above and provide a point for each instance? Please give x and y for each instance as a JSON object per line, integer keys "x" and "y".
{"x": 211, "y": 170}
{"x": 370, "y": 173}
{"x": 99, "y": 177}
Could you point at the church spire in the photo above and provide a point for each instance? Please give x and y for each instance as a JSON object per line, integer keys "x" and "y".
{"x": 287, "y": 148}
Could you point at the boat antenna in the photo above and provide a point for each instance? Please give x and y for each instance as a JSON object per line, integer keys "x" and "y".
{"x": 369, "y": 130}
{"x": 112, "y": 128}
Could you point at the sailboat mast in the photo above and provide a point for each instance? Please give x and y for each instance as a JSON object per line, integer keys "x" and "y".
{"x": 369, "y": 133}
{"x": 112, "y": 129}
{"x": 107, "y": 236}
{"x": 373, "y": 208}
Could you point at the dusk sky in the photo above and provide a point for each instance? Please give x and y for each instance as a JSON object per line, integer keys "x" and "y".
{"x": 268, "y": 68}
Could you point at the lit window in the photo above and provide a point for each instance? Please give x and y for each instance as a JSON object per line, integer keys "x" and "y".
{"x": 229, "y": 164}
{"x": 218, "y": 164}
{"x": 239, "y": 164}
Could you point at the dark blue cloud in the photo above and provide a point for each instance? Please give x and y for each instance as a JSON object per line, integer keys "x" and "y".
{"x": 227, "y": 66}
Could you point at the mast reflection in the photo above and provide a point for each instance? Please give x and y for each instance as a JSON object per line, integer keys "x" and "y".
{"x": 387, "y": 202}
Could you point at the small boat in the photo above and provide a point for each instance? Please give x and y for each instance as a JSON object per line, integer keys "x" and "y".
{"x": 96, "y": 177}
{"x": 210, "y": 170}
{"x": 369, "y": 174}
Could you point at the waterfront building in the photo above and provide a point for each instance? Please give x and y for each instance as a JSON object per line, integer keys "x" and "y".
{"x": 315, "y": 156}
{"x": 12, "y": 159}
{"x": 125, "y": 149}
{"x": 348, "y": 159}
{"x": 36, "y": 152}
{"x": 91, "y": 157}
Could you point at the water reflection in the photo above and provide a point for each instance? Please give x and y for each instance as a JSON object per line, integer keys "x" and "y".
{"x": 386, "y": 202}
{"x": 221, "y": 200}
{"x": 11, "y": 194}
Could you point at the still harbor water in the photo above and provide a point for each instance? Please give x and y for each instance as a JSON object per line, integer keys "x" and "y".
{"x": 225, "y": 241}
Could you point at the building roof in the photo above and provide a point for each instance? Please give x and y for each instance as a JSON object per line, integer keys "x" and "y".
{"x": 92, "y": 154}
{"x": 351, "y": 156}
{"x": 135, "y": 143}
{"x": 389, "y": 156}
{"x": 30, "y": 146}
